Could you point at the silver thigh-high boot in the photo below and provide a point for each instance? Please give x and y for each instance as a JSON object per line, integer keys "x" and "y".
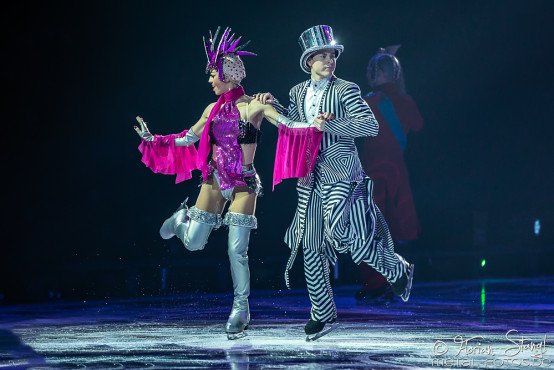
{"x": 167, "y": 231}
{"x": 239, "y": 235}
{"x": 192, "y": 225}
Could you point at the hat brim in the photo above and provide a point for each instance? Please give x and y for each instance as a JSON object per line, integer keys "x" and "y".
{"x": 308, "y": 52}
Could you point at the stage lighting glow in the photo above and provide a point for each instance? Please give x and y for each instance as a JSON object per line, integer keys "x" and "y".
{"x": 483, "y": 295}
{"x": 333, "y": 42}
{"x": 483, "y": 262}
{"x": 537, "y": 227}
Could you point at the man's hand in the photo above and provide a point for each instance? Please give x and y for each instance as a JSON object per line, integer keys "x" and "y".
{"x": 264, "y": 98}
{"x": 327, "y": 116}
{"x": 143, "y": 131}
{"x": 319, "y": 121}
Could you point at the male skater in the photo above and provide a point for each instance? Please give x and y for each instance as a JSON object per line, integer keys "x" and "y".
{"x": 335, "y": 207}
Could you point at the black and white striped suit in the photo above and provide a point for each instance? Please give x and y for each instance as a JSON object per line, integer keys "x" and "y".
{"x": 335, "y": 209}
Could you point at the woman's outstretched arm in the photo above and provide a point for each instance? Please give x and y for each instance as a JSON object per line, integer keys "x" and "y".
{"x": 192, "y": 136}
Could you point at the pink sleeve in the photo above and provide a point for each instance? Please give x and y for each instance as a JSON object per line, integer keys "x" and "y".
{"x": 162, "y": 156}
{"x": 296, "y": 153}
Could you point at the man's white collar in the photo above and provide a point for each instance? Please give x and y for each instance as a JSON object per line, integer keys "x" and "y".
{"x": 316, "y": 85}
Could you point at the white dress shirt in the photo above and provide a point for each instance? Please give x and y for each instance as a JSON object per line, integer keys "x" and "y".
{"x": 313, "y": 98}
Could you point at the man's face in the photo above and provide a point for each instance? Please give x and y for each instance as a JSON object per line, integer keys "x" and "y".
{"x": 323, "y": 63}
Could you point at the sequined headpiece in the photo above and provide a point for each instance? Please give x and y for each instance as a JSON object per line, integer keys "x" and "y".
{"x": 225, "y": 58}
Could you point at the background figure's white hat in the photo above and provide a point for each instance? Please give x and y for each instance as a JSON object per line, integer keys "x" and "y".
{"x": 315, "y": 39}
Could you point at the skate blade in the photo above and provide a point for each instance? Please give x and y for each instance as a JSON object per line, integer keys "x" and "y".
{"x": 236, "y": 336}
{"x": 406, "y": 295}
{"x": 312, "y": 337}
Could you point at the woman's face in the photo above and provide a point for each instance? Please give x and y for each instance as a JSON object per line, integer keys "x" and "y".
{"x": 219, "y": 86}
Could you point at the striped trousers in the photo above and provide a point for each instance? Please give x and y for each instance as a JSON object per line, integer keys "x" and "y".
{"x": 341, "y": 217}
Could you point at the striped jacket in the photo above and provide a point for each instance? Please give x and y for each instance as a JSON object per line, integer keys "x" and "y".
{"x": 337, "y": 163}
{"x": 338, "y": 158}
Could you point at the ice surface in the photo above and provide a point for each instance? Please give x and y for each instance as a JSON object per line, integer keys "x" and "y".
{"x": 187, "y": 331}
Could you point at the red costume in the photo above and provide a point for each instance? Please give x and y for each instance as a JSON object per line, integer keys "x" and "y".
{"x": 383, "y": 162}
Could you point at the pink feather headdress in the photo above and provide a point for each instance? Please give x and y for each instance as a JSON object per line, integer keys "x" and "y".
{"x": 225, "y": 47}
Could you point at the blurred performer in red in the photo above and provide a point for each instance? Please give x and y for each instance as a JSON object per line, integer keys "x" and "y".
{"x": 383, "y": 160}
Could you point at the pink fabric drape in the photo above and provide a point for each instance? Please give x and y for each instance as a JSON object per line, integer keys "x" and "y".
{"x": 162, "y": 156}
{"x": 296, "y": 152}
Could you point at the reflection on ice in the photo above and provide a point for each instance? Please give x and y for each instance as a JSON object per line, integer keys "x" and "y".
{"x": 188, "y": 330}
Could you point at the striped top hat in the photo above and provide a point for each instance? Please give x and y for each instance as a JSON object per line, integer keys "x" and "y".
{"x": 315, "y": 39}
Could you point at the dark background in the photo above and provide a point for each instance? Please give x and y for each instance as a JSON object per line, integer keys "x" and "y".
{"x": 82, "y": 213}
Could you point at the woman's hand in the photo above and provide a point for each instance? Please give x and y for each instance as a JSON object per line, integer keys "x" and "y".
{"x": 143, "y": 131}
{"x": 264, "y": 98}
{"x": 319, "y": 123}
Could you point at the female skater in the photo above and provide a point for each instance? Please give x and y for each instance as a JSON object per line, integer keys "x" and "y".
{"x": 228, "y": 131}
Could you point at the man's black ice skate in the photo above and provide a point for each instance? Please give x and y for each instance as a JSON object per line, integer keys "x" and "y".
{"x": 315, "y": 329}
{"x": 403, "y": 286}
